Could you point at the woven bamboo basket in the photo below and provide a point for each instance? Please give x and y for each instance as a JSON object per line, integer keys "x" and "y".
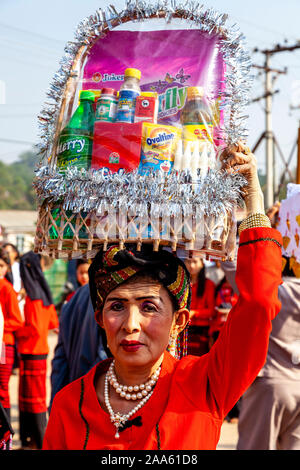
{"x": 61, "y": 233}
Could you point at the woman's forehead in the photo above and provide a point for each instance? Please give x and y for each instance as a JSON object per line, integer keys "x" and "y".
{"x": 138, "y": 288}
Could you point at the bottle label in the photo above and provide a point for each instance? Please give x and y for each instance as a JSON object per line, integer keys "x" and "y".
{"x": 126, "y": 106}
{"x": 74, "y": 150}
{"x": 192, "y": 132}
{"x": 106, "y": 110}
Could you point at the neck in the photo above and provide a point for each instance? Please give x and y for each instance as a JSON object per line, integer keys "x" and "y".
{"x": 133, "y": 374}
{"x": 194, "y": 278}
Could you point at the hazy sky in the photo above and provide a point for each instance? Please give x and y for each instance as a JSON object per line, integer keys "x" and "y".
{"x": 32, "y": 38}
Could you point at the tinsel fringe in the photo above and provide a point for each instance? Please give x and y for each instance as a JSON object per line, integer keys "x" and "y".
{"x": 81, "y": 190}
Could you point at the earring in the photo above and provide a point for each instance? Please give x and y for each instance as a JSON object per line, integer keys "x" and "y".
{"x": 172, "y": 346}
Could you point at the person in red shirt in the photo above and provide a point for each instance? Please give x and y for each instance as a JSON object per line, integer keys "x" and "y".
{"x": 40, "y": 317}
{"x": 13, "y": 321}
{"x": 142, "y": 398}
{"x": 202, "y": 307}
{"x": 225, "y": 299}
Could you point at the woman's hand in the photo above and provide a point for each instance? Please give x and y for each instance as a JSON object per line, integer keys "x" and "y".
{"x": 238, "y": 158}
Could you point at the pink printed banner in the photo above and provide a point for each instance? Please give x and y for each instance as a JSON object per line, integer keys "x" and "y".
{"x": 169, "y": 61}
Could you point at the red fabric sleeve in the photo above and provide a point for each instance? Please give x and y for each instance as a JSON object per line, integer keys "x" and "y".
{"x": 241, "y": 349}
{"x": 13, "y": 320}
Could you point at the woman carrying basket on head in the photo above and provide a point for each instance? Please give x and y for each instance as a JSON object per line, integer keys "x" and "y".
{"x": 142, "y": 397}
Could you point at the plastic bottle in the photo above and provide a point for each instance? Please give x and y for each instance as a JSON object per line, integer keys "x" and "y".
{"x": 76, "y": 139}
{"x": 196, "y": 118}
{"x": 196, "y": 110}
{"x": 129, "y": 90}
{"x": 107, "y": 105}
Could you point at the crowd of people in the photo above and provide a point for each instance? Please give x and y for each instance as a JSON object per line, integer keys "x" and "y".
{"x": 149, "y": 343}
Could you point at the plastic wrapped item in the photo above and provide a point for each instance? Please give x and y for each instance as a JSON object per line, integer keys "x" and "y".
{"x": 159, "y": 144}
{"x": 181, "y": 89}
{"x": 117, "y": 146}
{"x": 146, "y": 107}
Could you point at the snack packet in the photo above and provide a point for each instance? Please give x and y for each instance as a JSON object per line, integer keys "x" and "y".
{"x": 159, "y": 144}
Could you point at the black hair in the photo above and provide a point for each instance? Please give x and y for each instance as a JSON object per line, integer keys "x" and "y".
{"x": 4, "y": 255}
{"x": 13, "y": 247}
{"x": 79, "y": 262}
{"x": 219, "y": 286}
{"x": 287, "y": 271}
{"x": 201, "y": 282}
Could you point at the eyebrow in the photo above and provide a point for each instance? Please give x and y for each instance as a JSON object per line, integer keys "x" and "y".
{"x": 136, "y": 298}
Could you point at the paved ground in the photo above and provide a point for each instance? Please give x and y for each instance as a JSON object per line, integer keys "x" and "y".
{"x": 227, "y": 441}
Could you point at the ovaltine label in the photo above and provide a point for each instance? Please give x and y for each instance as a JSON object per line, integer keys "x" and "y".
{"x": 158, "y": 147}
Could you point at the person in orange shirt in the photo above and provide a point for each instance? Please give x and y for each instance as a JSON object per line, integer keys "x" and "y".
{"x": 202, "y": 307}
{"x": 12, "y": 323}
{"x": 40, "y": 317}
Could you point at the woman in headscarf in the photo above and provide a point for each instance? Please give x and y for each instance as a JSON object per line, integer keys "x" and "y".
{"x": 143, "y": 398}
{"x": 13, "y": 321}
{"x": 40, "y": 317}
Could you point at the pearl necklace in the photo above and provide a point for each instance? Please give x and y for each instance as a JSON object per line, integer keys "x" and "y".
{"x": 119, "y": 419}
{"x": 124, "y": 391}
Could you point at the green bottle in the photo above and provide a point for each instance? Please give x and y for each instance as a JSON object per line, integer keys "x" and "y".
{"x": 68, "y": 233}
{"x": 76, "y": 139}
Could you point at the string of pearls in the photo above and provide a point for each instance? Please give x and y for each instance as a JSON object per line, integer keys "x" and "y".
{"x": 125, "y": 391}
{"x": 119, "y": 419}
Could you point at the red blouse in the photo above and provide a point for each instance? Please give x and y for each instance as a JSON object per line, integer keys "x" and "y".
{"x": 11, "y": 312}
{"x": 193, "y": 395}
{"x": 33, "y": 337}
{"x": 202, "y": 308}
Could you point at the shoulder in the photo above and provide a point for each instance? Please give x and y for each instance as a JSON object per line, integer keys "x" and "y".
{"x": 71, "y": 392}
{"x": 6, "y": 286}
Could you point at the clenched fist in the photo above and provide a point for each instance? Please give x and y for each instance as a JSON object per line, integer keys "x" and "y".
{"x": 238, "y": 158}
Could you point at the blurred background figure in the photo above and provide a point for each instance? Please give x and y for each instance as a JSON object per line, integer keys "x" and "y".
{"x": 82, "y": 276}
{"x": 14, "y": 257}
{"x": 202, "y": 307}
{"x": 81, "y": 341}
{"x": 40, "y": 317}
{"x": 77, "y": 277}
{"x": 225, "y": 299}
{"x": 13, "y": 322}
{"x": 270, "y": 409}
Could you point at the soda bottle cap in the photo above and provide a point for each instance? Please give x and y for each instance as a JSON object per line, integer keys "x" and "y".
{"x": 97, "y": 94}
{"x": 87, "y": 95}
{"x": 133, "y": 73}
{"x": 109, "y": 91}
{"x": 195, "y": 91}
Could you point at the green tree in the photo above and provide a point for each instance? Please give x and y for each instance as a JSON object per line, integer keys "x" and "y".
{"x": 16, "y": 191}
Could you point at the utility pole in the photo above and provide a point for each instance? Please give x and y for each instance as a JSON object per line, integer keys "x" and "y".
{"x": 298, "y": 157}
{"x": 268, "y": 133}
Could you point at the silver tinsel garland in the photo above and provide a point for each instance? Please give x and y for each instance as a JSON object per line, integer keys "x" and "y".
{"x": 86, "y": 191}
